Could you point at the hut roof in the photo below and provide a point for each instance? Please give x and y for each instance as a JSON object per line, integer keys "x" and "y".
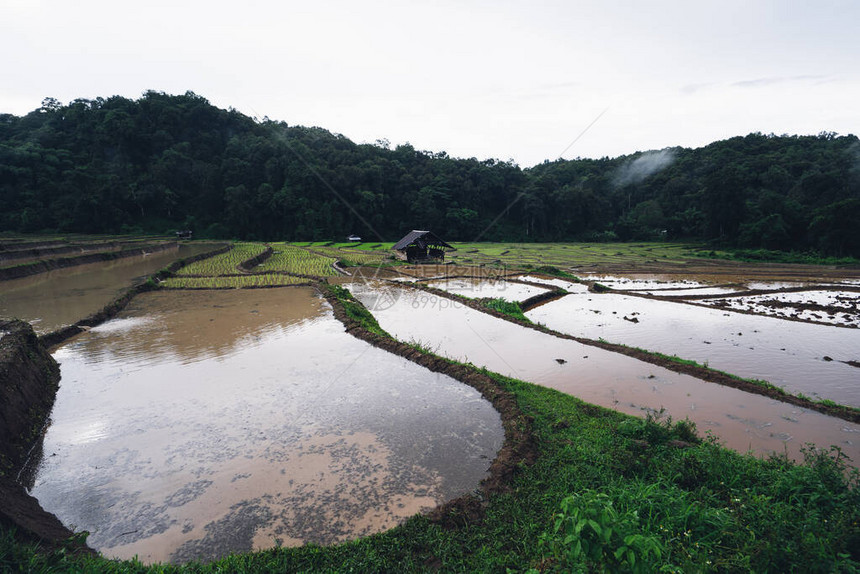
{"x": 421, "y": 239}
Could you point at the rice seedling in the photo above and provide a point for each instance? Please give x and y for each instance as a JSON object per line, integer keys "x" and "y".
{"x": 224, "y": 264}
{"x": 232, "y": 281}
{"x": 291, "y": 259}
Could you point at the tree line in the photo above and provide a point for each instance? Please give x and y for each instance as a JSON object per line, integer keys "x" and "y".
{"x": 167, "y": 162}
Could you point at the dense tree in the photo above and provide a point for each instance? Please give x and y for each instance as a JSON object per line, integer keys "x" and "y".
{"x": 166, "y": 162}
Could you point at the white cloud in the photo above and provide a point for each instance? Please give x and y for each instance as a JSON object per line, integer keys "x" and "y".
{"x": 475, "y": 78}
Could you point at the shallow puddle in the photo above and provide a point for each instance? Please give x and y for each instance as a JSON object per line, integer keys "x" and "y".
{"x": 202, "y": 423}
{"x": 742, "y": 421}
{"x": 802, "y": 358}
{"x": 61, "y": 297}
{"x": 481, "y": 288}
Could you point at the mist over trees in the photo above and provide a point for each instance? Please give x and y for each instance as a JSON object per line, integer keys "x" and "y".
{"x": 165, "y": 162}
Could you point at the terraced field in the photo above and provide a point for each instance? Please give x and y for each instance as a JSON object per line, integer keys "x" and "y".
{"x": 660, "y": 493}
{"x": 287, "y": 265}
{"x": 225, "y": 263}
{"x": 288, "y": 258}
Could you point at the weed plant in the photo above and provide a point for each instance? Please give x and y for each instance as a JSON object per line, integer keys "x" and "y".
{"x": 501, "y": 305}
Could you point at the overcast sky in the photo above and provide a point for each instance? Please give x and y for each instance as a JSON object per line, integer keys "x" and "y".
{"x": 494, "y": 79}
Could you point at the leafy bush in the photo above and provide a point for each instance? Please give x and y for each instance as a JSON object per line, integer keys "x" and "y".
{"x": 589, "y": 530}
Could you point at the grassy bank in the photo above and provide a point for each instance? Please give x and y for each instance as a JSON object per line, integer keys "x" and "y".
{"x": 772, "y": 256}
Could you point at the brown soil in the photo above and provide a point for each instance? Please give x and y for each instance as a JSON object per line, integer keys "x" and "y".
{"x": 29, "y": 379}
{"x": 540, "y": 298}
{"x": 519, "y": 447}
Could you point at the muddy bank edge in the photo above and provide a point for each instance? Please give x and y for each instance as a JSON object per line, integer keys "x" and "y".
{"x": 29, "y": 378}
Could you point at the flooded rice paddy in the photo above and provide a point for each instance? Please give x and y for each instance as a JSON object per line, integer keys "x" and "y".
{"x": 201, "y": 423}
{"x": 61, "y": 297}
{"x": 830, "y": 307}
{"x": 569, "y": 286}
{"x": 480, "y": 288}
{"x": 739, "y": 281}
{"x": 800, "y": 357}
{"x": 742, "y": 421}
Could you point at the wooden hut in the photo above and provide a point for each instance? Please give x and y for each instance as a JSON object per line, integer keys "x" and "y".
{"x": 422, "y": 246}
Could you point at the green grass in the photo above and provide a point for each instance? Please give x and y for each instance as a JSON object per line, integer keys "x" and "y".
{"x": 565, "y": 255}
{"x": 770, "y": 256}
{"x": 502, "y": 305}
{"x": 554, "y": 271}
{"x": 355, "y": 310}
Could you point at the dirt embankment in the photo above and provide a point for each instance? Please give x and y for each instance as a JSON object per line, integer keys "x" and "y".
{"x": 248, "y": 265}
{"x": 25, "y": 270}
{"x": 519, "y": 447}
{"x": 541, "y": 299}
{"x": 29, "y": 378}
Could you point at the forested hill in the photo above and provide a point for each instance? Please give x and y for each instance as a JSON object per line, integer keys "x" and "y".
{"x": 164, "y": 162}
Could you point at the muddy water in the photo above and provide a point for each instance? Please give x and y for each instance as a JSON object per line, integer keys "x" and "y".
{"x": 786, "y": 353}
{"x": 61, "y": 297}
{"x": 747, "y": 279}
{"x": 202, "y": 423}
{"x": 479, "y": 288}
{"x": 741, "y": 420}
{"x": 841, "y": 306}
{"x": 568, "y": 286}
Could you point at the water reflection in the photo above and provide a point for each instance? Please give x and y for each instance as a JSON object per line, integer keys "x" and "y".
{"x": 200, "y": 423}
{"x": 741, "y": 420}
{"x": 61, "y": 297}
{"x": 785, "y": 353}
{"x": 479, "y": 288}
